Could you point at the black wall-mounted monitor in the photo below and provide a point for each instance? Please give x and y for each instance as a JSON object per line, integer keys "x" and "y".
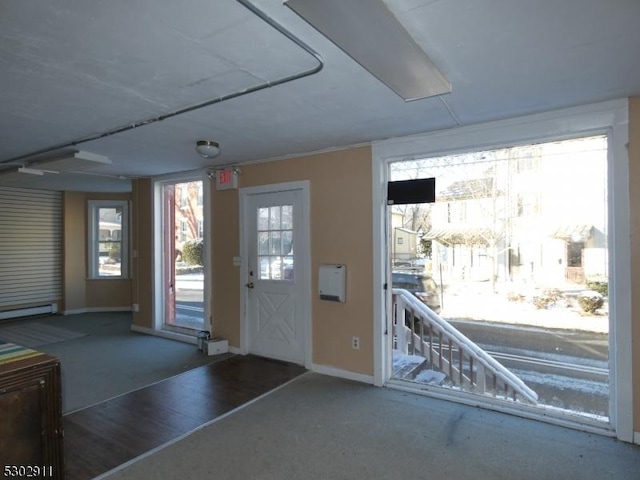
{"x": 419, "y": 190}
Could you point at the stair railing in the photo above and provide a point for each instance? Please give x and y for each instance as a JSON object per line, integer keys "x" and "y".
{"x": 418, "y": 330}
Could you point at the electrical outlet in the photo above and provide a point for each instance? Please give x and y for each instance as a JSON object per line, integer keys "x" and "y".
{"x": 355, "y": 343}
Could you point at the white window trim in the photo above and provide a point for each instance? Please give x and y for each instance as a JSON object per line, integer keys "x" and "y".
{"x": 184, "y": 230}
{"x": 93, "y": 235}
{"x": 610, "y": 118}
{"x": 200, "y": 229}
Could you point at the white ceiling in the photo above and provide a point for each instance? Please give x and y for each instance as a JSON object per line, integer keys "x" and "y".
{"x": 71, "y": 70}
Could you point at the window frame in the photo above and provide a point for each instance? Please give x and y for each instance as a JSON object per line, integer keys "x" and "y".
{"x": 200, "y": 233}
{"x": 609, "y": 118}
{"x": 93, "y": 239}
{"x": 183, "y": 232}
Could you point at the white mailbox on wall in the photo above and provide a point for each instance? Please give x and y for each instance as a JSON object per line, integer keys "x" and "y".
{"x": 332, "y": 282}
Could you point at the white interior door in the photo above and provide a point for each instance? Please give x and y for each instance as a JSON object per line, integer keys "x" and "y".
{"x": 276, "y": 276}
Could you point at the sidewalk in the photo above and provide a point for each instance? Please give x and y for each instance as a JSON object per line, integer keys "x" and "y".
{"x": 190, "y": 281}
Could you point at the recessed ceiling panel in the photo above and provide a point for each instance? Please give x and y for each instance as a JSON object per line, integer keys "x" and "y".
{"x": 76, "y": 161}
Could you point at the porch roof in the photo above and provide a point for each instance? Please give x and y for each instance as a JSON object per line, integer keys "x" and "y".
{"x": 461, "y": 235}
{"x": 576, "y": 233}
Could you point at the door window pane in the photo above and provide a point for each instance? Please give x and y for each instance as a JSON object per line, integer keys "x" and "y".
{"x": 263, "y": 219}
{"x": 263, "y": 243}
{"x": 264, "y": 268}
{"x": 274, "y": 218}
{"x": 275, "y": 242}
{"x": 287, "y": 217}
{"x": 287, "y": 242}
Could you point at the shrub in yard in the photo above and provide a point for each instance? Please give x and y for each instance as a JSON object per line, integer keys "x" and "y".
{"x": 541, "y": 302}
{"x": 601, "y": 287}
{"x": 114, "y": 252}
{"x": 553, "y": 294}
{"x": 590, "y": 301}
{"x": 515, "y": 297}
{"x": 193, "y": 252}
{"x": 548, "y": 297}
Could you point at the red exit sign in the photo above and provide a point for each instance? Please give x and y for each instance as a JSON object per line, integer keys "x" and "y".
{"x": 226, "y": 179}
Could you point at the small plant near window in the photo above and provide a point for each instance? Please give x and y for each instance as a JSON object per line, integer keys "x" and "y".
{"x": 601, "y": 287}
{"x": 590, "y": 301}
{"x": 193, "y": 252}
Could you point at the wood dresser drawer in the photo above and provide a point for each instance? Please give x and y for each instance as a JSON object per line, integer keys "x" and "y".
{"x": 31, "y": 436}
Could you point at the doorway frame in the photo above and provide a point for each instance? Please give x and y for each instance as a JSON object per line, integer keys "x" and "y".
{"x": 609, "y": 118}
{"x": 158, "y": 257}
{"x": 305, "y": 262}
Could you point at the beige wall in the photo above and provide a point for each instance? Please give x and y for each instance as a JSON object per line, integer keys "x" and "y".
{"x": 80, "y": 292}
{"x": 341, "y": 232}
{"x": 142, "y": 246}
{"x": 75, "y": 250}
{"x": 634, "y": 194}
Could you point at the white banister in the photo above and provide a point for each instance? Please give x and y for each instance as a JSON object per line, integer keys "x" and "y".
{"x": 425, "y": 323}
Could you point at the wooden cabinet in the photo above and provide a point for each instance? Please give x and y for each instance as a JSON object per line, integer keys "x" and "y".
{"x": 31, "y": 437}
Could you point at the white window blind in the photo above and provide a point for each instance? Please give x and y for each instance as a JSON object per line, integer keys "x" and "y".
{"x": 30, "y": 247}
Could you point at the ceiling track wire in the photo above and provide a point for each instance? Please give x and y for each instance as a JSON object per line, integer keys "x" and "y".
{"x": 181, "y": 111}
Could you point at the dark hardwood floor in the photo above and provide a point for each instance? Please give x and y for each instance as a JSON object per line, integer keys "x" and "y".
{"x": 102, "y": 437}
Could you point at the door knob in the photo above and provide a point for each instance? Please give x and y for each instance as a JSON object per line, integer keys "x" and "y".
{"x": 250, "y": 285}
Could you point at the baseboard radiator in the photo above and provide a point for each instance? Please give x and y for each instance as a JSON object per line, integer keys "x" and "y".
{"x": 29, "y": 311}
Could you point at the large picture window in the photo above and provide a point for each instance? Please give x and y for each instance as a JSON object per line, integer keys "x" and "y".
{"x": 108, "y": 239}
{"x": 556, "y": 220}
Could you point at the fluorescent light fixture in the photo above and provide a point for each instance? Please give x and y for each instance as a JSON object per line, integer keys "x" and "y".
{"x": 30, "y": 171}
{"x": 370, "y": 34}
{"x": 76, "y": 161}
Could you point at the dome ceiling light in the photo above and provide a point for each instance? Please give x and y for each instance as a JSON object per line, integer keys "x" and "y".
{"x": 207, "y": 148}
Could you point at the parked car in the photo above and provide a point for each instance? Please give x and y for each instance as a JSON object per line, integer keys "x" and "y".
{"x": 421, "y": 285}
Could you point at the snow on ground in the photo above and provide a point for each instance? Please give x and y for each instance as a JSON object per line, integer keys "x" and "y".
{"x": 403, "y": 366}
{"x": 190, "y": 281}
{"x": 430, "y": 376}
{"x": 562, "y": 382}
{"x": 401, "y": 361}
{"x": 476, "y": 301}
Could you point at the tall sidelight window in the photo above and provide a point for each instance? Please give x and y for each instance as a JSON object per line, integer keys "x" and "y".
{"x": 183, "y": 256}
{"x": 108, "y": 239}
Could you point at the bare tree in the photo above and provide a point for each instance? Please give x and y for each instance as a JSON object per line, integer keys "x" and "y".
{"x": 188, "y": 207}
